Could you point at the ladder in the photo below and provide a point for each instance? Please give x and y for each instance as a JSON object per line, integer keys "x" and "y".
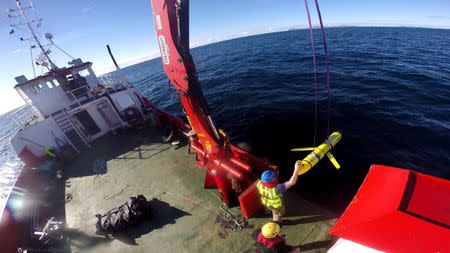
{"x": 72, "y": 134}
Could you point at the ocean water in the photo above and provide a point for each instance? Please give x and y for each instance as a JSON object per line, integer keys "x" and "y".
{"x": 10, "y": 164}
{"x": 390, "y": 91}
{"x": 390, "y": 97}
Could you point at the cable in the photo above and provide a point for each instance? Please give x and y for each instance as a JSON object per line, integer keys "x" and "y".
{"x": 117, "y": 194}
{"x": 311, "y": 33}
{"x": 53, "y": 43}
{"x": 327, "y": 65}
{"x": 32, "y": 61}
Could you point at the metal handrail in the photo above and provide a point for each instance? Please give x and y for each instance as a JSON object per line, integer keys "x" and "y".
{"x": 76, "y": 98}
{"x": 25, "y": 115}
{"x": 82, "y": 87}
{"x": 114, "y": 83}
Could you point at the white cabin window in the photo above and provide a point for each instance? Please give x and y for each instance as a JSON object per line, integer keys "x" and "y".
{"x": 33, "y": 89}
{"x": 43, "y": 87}
{"x": 50, "y": 84}
{"x": 83, "y": 72}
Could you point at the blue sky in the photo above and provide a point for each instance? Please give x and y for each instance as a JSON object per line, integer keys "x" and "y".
{"x": 84, "y": 27}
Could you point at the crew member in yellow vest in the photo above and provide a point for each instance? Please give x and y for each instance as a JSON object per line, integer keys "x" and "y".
{"x": 272, "y": 192}
{"x": 50, "y": 152}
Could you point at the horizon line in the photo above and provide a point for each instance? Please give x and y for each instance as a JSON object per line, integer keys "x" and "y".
{"x": 152, "y": 56}
{"x": 155, "y": 55}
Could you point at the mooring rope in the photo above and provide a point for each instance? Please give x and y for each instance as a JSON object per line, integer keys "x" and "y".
{"x": 311, "y": 33}
{"x": 325, "y": 50}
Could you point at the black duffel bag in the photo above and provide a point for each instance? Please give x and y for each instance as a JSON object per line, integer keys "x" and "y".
{"x": 123, "y": 216}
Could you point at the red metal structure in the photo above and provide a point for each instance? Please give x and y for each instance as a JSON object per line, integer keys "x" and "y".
{"x": 398, "y": 210}
{"x": 226, "y": 166}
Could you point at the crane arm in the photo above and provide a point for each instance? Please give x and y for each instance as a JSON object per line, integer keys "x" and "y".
{"x": 171, "y": 19}
{"x": 227, "y": 167}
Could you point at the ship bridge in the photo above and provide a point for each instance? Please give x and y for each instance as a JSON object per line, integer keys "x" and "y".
{"x": 72, "y": 106}
{"x": 64, "y": 88}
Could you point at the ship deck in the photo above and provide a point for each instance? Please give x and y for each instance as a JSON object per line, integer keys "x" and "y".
{"x": 183, "y": 215}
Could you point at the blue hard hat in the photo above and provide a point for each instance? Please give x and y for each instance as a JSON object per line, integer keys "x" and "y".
{"x": 268, "y": 176}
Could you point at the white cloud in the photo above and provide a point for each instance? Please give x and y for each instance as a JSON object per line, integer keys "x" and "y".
{"x": 439, "y": 17}
{"x": 106, "y": 68}
{"x": 16, "y": 51}
{"x": 86, "y": 9}
{"x": 69, "y": 36}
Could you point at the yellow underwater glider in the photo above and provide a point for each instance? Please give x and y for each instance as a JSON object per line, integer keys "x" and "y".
{"x": 319, "y": 152}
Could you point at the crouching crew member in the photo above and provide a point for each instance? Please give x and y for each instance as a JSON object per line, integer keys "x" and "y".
{"x": 269, "y": 240}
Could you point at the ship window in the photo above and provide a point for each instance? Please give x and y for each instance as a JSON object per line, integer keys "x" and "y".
{"x": 55, "y": 83}
{"x": 83, "y": 72}
{"x": 43, "y": 87}
{"x": 47, "y": 85}
{"x": 50, "y": 84}
{"x": 34, "y": 89}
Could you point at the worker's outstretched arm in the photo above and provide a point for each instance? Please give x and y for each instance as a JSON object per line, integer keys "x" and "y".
{"x": 293, "y": 180}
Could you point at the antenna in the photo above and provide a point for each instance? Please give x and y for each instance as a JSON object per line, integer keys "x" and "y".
{"x": 43, "y": 51}
{"x": 44, "y": 55}
{"x": 49, "y": 37}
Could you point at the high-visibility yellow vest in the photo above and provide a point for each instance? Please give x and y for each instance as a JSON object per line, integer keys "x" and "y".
{"x": 270, "y": 197}
{"x": 50, "y": 152}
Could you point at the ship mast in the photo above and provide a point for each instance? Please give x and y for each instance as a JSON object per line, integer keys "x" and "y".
{"x": 32, "y": 32}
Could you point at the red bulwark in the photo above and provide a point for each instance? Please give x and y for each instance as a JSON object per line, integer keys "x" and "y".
{"x": 10, "y": 232}
{"x": 398, "y": 210}
{"x": 250, "y": 201}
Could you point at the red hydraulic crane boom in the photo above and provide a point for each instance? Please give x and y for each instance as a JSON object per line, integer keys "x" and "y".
{"x": 227, "y": 167}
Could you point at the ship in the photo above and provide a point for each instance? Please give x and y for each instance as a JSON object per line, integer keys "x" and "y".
{"x": 90, "y": 143}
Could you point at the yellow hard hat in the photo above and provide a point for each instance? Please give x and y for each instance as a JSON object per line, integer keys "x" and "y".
{"x": 270, "y": 230}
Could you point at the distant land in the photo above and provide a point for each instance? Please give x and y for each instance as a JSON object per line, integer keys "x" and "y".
{"x": 155, "y": 54}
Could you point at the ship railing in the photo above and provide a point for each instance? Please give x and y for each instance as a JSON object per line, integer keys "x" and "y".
{"x": 114, "y": 84}
{"x": 80, "y": 95}
{"x": 25, "y": 116}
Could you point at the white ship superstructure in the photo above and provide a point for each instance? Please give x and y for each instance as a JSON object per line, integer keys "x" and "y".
{"x": 77, "y": 105}
{"x": 69, "y": 106}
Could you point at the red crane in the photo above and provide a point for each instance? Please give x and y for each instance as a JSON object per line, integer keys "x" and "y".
{"x": 227, "y": 167}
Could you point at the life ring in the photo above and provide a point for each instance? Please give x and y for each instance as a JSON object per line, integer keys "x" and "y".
{"x": 132, "y": 115}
